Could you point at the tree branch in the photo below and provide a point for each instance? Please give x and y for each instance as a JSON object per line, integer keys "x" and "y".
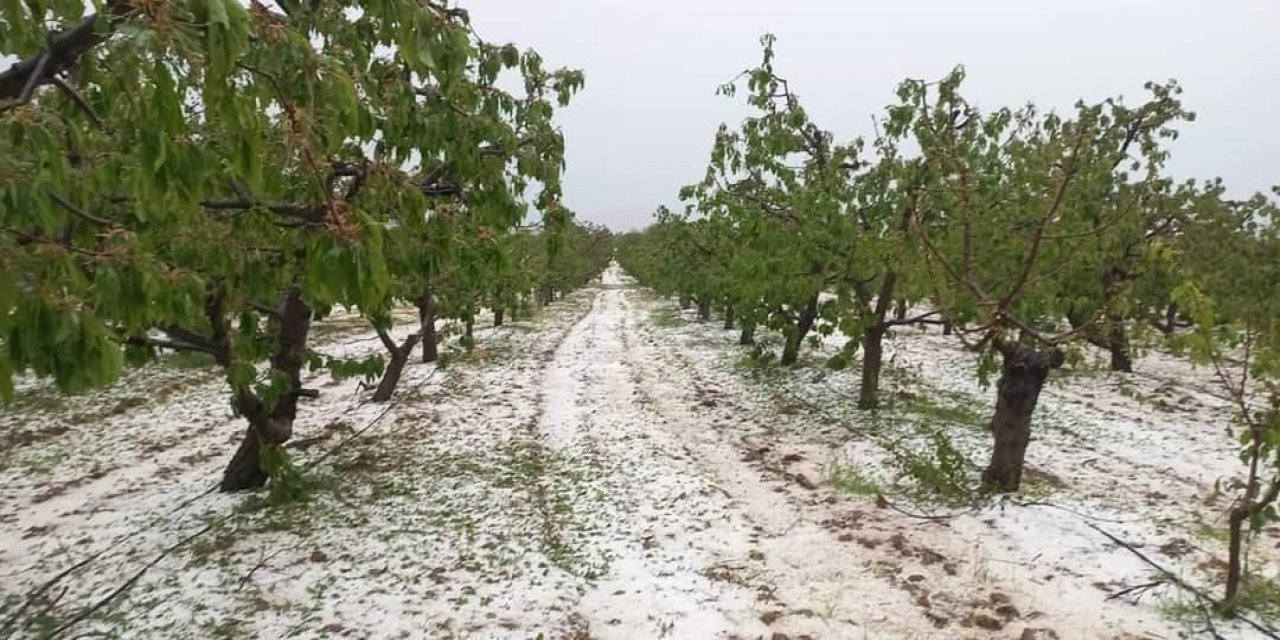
{"x": 147, "y": 341}
{"x": 19, "y": 82}
{"x": 81, "y": 213}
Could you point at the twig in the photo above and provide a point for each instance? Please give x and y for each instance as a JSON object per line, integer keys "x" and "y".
{"x": 261, "y": 563}
{"x": 1146, "y": 586}
{"x": 128, "y": 584}
{"x": 881, "y": 500}
{"x": 78, "y": 99}
{"x": 66, "y": 204}
{"x": 8, "y": 624}
{"x": 1201, "y": 596}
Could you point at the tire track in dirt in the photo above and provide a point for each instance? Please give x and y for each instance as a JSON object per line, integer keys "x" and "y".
{"x": 652, "y": 528}
{"x": 835, "y": 567}
{"x": 703, "y": 543}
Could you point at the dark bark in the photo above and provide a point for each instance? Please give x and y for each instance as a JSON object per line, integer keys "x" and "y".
{"x": 704, "y": 309}
{"x": 804, "y": 322}
{"x": 1170, "y": 320}
{"x": 873, "y": 339}
{"x": 1235, "y": 548}
{"x": 427, "y": 326}
{"x": 1114, "y": 340}
{"x": 1118, "y": 345}
{"x": 62, "y": 53}
{"x": 900, "y": 311}
{"x": 948, "y": 328}
{"x": 395, "y": 367}
{"x": 244, "y": 470}
{"x": 468, "y": 331}
{"x": 1022, "y": 376}
{"x": 499, "y": 316}
{"x": 748, "y": 335}
{"x": 872, "y": 362}
{"x": 546, "y": 294}
{"x": 728, "y": 318}
{"x": 272, "y": 424}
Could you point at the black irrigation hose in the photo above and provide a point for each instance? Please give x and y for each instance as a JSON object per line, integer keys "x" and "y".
{"x": 9, "y": 624}
{"x": 125, "y": 586}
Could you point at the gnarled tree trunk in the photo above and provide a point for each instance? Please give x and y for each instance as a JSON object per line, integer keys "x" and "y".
{"x": 271, "y": 424}
{"x": 728, "y": 318}
{"x": 748, "y": 335}
{"x": 1023, "y": 373}
{"x": 499, "y": 315}
{"x": 804, "y": 322}
{"x": 704, "y": 309}
{"x": 395, "y": 367}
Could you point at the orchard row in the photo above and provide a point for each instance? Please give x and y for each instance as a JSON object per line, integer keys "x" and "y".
{"x": 206, "y": 176}
{"x": 1027, "y": 235}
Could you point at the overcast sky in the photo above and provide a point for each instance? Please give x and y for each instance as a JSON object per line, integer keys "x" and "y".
{"x": 644, "y": 123}
{"x": 643, "y": 126}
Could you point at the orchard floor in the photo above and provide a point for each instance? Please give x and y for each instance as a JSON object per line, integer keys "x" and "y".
{"x": 615, "y": 469}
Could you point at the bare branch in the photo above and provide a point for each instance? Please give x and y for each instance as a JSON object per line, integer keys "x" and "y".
{"x": 78, "y": 99}
{"x": 19, "y": 81}
{"x": 77, "y": 211}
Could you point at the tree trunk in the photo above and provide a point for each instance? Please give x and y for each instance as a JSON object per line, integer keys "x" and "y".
{"x": 704, "y": 310}
{"x": 1118, "y": 345}
{"x": 873, "y": 340}
{"x": 498, "y": 316}
{"x": 728, "y": 318}
{"x": 900, "y": 311}
{"x": 244, "y": 471}
{"x": 1022, "y": 377}
{"x": 1235, "y": 542}
{"x": 748, "y": 335}
{"x": 686, "y": 302}
{"x": 395, "y": 368}
{"x": 872, "y": 360}
{"x": 791, "y": 350}
{"x": 427, "y": 327}
{"x": 468, "y": 331}
{"x": 947, "y": 327}
{"x": 274, "y": 424}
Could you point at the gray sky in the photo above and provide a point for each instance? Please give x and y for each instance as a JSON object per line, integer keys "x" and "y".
{"x": 644, "y": 123}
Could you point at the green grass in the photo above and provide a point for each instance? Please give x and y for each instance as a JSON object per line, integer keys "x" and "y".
{"x": 664, "y": 318}
{"x": 1258, "y": 599}
{"x": 848, "y": 479}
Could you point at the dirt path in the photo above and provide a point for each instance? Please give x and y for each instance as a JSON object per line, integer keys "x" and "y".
{"x": 713, "y": 528}
{"x": 593, "y": 474}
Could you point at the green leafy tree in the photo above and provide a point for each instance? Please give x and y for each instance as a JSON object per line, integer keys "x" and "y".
{"x": 202, "y": 176}
{"x": 1231, "y": 292}
{"x": 784, "y": 185}
{"x": 1016, "y": 203}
